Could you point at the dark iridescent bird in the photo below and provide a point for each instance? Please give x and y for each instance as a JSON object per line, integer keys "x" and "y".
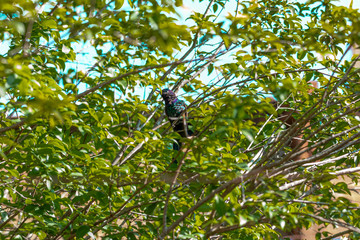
{"x": 176, "y": 112}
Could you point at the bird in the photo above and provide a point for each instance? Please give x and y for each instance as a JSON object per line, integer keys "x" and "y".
{"x": 176, "y": 111}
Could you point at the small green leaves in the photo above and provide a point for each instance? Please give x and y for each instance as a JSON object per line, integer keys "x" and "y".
{"x": 87, "y": 152}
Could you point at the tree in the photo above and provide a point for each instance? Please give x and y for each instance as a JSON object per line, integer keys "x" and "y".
{"x": 84, "y": 155}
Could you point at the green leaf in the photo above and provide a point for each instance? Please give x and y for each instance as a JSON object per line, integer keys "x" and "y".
{"x": 150, "y": 209}
{"x": 227, "y": 40}
{"x": 20, "y": 27}
{"x": 248, "y": 134}
{"x": 215, "y": 7}
{"x": 210, "y": 68}
{"x": 119, "y": 4}
{"x": 14, "y": 173}
{"x": 204, "y": 208}
{"x": 282, "y": 224}
{"x": 220, "y": 206}
{"x": 131, "y": 236}
{"x": 81, "y": 231}
{"x": 50, "y": 23}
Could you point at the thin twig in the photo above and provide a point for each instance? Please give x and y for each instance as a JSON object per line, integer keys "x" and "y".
{"x": 337, "y": 235}
{"x": 143, "y": 69}
{"x": 72, "y": 220}
{"x": 337, "y": 173}
{"x": 334, "y": 222}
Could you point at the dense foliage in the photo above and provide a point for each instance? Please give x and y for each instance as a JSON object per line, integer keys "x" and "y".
{"x": 86, "y": 151}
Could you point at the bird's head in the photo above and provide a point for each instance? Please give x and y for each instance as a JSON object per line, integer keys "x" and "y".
{"x": 168, "y": 95}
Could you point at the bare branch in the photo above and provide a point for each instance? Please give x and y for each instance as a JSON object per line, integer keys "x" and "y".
{"x": 143, "y": 69}
{"x": 337, "y": 173}
{"x": 337, "y": 235}
{"x": 72, "y": 220}
{"x": 334, "y": 222}
{"x": 16, "y": 125}
{"x": 177, "y": 172}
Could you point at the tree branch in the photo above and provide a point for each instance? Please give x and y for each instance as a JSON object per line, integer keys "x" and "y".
{"x": 337, "y": 173}
{"x": 334, "y": 222}
{"x": 337, "y": 235}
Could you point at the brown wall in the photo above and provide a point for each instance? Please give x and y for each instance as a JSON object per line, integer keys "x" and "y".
{"x": 309, "y": 234}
